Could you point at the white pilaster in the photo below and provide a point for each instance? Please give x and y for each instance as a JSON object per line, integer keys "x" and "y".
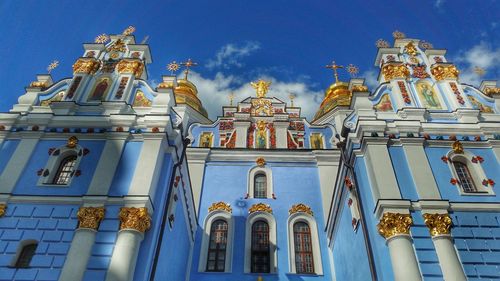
{"x": 448, "y": 258}
{"x": 78, "y": 255}
{"x": 196, "y": 159}
{"x": 17, "y": 163}
{"x": 328, "y": 167}
{"x": 404, "y": 262}
{"x": 420, "y": 169}
{"x": 106, "y": 167}
{"x": 122, "y": 265}
{"x": 281, "y": 134}
{"x": 241, "y": 133}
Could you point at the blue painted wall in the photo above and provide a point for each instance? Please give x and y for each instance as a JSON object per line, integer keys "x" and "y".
{"x": 403, "y": 175}
{"x": 125, "y": 169}
{"x": 7, "y": 148}
{"x": 442, "y": 174}
{"x": 52, "y": 225}
{"x": 27, "y": 184}
{"x": 292, "y": 183}
{"x": 349, "y": 250}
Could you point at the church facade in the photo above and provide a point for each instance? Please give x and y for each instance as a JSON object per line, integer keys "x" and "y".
{"x": 105, "y": 177}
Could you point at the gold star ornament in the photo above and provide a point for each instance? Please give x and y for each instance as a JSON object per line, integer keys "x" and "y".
{"x": 101, "y": 38}
{"x": 129, "y": 30}
{"x": 173, "y": 67}
{"x": 53, "y": 65}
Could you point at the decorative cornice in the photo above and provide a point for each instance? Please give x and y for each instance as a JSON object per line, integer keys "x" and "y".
{"x": 134, "y": 218}
{"x": 2, "y": 209}
{"x": 260, "y": 207}
{"x": 394, "y": 71}
{"x": 220, "y": 206}
{"x": 438, "y": 224}
{"x": 90, "y": 217}
{"x": 302, "y": 208}
{"x": 444, "y": 71}
{"x": 135, "y": 67}
{"x": 86, "y": 65}
{"x": 392, "y": 224}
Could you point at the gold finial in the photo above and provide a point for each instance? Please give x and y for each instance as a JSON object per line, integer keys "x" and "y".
{"x": 231, "y": 98}
{"x": 129, "y": 30}
{"x": 352, "y": 69}
{"x": 261, "y": 86}
{"x": 173, "y": 67}
{"x": 381, "y": 43}
{"x": 53, "y": 65}
{"x": 188, "y": 64}
{"x": 398, "y": 35}
{"x": 479, "y": 71}
{"x": 101, "y": 38}
{"x": 334, "y": 67}
{"x": 425, "y": 45}
{"x": 292, "y": 96}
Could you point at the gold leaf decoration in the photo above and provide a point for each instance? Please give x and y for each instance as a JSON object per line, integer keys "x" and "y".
{"x": 260, "y": 207}
{"x": 72, "y": 142}
{"x": 300, "y": 208}
{"x": 458, "y": 147}
{"x": 2, "y": 209}
{"x": 492, "y": 91}
{"x": 438, "y": 224}
{"x": 134, "y": 218}
{"x": 394, "y": 71}
{"x": 392, "y": 224}
{"x": 90, "y": 217}
{"x": 444, "y": 71}
{"x": 135, "y": 67}
{"x": 220, "y": 206}
{"x": 86, "y": 65}
{"x": 260, "y": 161}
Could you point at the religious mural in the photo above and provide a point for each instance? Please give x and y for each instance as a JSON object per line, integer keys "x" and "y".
{"x": 100, "y": 89}
{"x": 141, "y": 100}
{"x": 316, "y": 140}
{"x": 57, "y": 97}
{"x": 384, "y": 104}
{"x": 478, "y": 105}
{"x": 427, "y": 95}
{"x": 206, "y": 139}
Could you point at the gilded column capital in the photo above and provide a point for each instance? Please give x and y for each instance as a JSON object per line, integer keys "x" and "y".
{"x": 2, "y": 209}
{"x": 444, "y": 71}
{"x": 392, "y": 224}
{"x": 438, "y": 224}
{"x": 135, "y": 67}
{"x": 86, "y": 65}
{"x": 90, "y": 217}
{"x": 394, "y": 71}
{"x": 134, "y": 218}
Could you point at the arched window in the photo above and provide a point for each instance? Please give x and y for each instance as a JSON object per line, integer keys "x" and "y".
{"x": 464, "y": 177}
{"x": 260, "y": 186}
{"x": 216, "y": 258}
{"x": 304, "y": 261}
{"x": 25, "y": 255}
{"x": 65, "y": 170}
{"x": 260, "y": 247}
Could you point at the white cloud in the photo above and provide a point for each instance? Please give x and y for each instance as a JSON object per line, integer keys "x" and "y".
{"x": 438, "y": 3}
{"x": 371, "y": 77}
{"x": 231, "y": 55}
{"x": 481, "y": 55}
{"x": 214, "y": 93}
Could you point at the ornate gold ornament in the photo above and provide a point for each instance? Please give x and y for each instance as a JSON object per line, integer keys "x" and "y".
{"x": 261, "y": 87}
{"x": 135, "y": 67}
{"x": 129, "y": 30}
{"x": 381, "y": 43}
{"x": 359, "y": 88}
{"x": 492, "y": 91}
{"x": 262, "y": 107}
{"x": 260, "y": 207}
{"x": 118, "y": 46}
{"x": 134, "y": 218}
{"x": 398, "y": 35}
{"x": 90, "y": 217}
{"x": 394, "y": 71}
{"x": 334, "y": 67}
{"x": 261, "y": 162}
{"x": 53, "y": 65}
{"x": 458, "y": 147}
{"x": 410, "y": 49}
{"x": 220, "y": 206}
{"x": 425, "y": 45}
{"x": 188, "y": 64}
{"x": 353, "y": 70}
{"x": 392, "y": 224}
{"x": 86, "y": 65}
{"x": 101, "y": 38}
{"x": 300, "y": 208}
{"x": 444, "y": 71}
{"x": 72, "y": 142}
{"x": 173, "y": 67}
{"x": 38, "y": 84}
{"x": 2, "y": 209}
{"x": 438, "y": 224}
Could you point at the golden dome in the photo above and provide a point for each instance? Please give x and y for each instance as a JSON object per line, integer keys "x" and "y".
{"x": 338, "y": 94}
{"x": 186, "y": 93}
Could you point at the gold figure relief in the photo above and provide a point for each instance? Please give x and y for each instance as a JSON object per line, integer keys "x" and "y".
{"x": 316, "y": 140}
{"x": 90, "y": 217}
{"x": 260, "y": 207}
{"x": 206, "y": 139}
{"x": 438, "y": 224}
{"x": 86, "y": 65}
{"x": 395, "y": 71}
{"x": 72, "y": 142}
{"x": 141, "y": 100}
{"x": 220, "y": 206}
{"x": 261, "y": 87}
{"x": 392, "y": 224}
{"x": 38, "y": 84}
{"x": 117, "y": 46}
{"x": 444, "y": 71}
{"x": 262, "y": 107}
{"x": 302, "y": 208}
{"x": 359, "y": 88}
{"x": 457, "y": 147}
{"x": 135, "y": 67}
{"x": 2, "y": 209}
{"x": 410, "y": 49}
{"x": 261, "y": 162}
{"x": 134, "y": 218}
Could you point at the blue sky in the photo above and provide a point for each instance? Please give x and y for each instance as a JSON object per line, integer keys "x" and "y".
{"x": 234, "y": 42}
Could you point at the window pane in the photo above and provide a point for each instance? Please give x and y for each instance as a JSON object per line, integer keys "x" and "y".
{"x": 464, "y": 177}
{"x": 216, "y": 257}
{"x": 26, "y": 255}
{"x": 260, "y": 186}
{"x": 65, "y": 170}
{"x": 260, "y": 247}
{"x": 304, "y": 262}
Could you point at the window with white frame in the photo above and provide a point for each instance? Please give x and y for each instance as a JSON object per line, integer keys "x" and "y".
{"x": 62, "y": 165}
{"x": 217, "y": 242}
{"x": 303, "y": 245}
{"x": 260, "y": 243}
{"x": 260, "y": 183}
{"x": 467, "y": 174}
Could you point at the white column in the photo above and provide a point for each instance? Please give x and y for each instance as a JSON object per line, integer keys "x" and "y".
{"x": 146, "y": 174}
{"x": 439, "y": 227}
{"x": 395, "y": 228}
{"x": 196, "y": 159}
{"x": 17, "y": 162}
{"x": 133, "y": 223}
{"x": 241, "y": 133}
{"x": 81, "y": 246}
{"x": 106, "y": 167}
{"x": 281, "y": 134}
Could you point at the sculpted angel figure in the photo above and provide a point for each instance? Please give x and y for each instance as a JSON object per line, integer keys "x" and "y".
{"x": 261, "y": 86}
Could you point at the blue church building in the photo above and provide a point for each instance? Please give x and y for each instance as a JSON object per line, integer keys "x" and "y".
{"x": 106, "y": 177}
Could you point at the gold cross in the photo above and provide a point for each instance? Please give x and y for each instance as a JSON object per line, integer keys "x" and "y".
{"x": 231, "y": 97}
{"x": 291, "y": 96}
{"x": 334, "y": 67}
{"x": 188, "y": 64}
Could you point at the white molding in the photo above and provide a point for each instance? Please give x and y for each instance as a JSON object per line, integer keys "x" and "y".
{"x": 303, "y": 217}
{"x": 129, "y": 201}
{"x": 273, "y": 249}
{"x": 211, "y": 217}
